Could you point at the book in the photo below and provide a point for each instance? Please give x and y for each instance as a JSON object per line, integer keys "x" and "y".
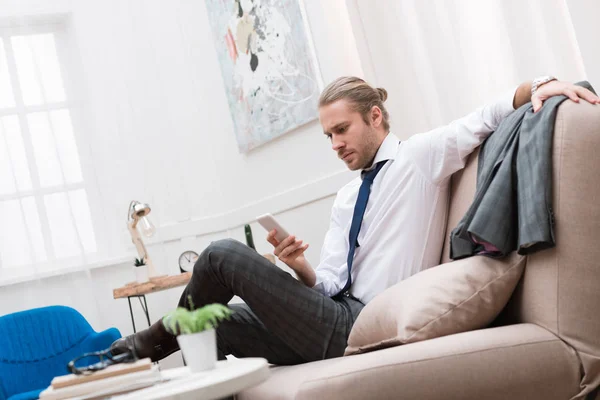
{"x": 113, "y": 370}
{"x": 101, "y": 388}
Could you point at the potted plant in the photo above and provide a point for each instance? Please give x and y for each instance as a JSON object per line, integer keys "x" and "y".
{"x": 195, "y": 331}
{"x": 141, "y": 270}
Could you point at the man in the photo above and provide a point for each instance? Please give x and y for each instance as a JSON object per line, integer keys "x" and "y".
{"x": 385, "y": 226}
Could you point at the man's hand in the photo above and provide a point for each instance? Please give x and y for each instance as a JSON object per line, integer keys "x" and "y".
{"x": 555, "y": 88}
{"x": 291, "y": 252}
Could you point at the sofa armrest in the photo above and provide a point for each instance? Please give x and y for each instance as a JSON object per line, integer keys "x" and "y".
{"x": 521, "y": 361}
{"x": 100, "y": 340}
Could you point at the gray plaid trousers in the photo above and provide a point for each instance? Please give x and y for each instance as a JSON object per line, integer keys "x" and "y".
{"x": 282, "y": 319}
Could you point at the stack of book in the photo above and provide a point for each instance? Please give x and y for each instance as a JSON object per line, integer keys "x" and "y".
{"x": 111, "y": 381}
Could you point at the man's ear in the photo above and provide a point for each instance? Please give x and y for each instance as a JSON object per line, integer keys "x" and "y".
{"x": 376, "y": 116}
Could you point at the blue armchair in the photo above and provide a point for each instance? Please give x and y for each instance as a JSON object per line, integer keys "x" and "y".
{"x": 37, "y": 344}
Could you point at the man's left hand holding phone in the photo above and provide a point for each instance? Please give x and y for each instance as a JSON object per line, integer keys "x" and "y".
{"x": 291, "y": 252}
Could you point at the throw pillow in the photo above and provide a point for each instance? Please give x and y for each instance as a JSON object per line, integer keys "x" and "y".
{"x": 450, "y": 298}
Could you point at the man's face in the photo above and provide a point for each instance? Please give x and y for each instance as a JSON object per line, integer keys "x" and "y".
{"x": 354, "y": 141}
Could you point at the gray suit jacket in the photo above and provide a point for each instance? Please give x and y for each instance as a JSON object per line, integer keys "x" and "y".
{"x": 512, "y": 209}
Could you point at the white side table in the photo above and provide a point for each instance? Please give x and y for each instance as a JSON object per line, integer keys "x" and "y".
{"x": 228, "y": 378}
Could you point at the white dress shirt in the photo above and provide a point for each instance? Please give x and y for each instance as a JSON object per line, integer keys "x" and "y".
{"x": 403, "y": 227}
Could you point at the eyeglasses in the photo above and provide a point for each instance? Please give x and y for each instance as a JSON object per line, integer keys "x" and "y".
{"x": 89, "y": 363}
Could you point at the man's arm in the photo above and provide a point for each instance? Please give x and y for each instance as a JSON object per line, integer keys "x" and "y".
{"x": 332, "y": 270}
{"x": 550, "y": 89}
{"x": 291, "y": 252}
{"x": 444, "y": 150}
{"x": 522, "y": 94}
{"x": 441, "y": 152}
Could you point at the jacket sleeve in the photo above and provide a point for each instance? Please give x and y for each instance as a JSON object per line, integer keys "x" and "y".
{"x": 444, "y": 150}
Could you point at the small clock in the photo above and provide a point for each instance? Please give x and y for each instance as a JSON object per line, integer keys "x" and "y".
{"x": 187, "y": 259}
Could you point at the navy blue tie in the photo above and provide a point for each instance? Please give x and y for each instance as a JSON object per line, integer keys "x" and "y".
{"x": 359, "y": 212}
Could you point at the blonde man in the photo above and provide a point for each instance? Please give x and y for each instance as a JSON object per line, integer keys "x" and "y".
{"x": 386, "y": 225}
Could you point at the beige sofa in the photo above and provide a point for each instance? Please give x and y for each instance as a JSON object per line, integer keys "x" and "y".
{"x": 546, "y": 344}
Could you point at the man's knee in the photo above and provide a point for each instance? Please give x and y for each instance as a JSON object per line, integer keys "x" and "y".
{"x": 223, "y": 246}
{"x": 217, "y": 252}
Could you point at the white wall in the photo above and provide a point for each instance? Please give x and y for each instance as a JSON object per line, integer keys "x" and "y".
{"x": 153, "y": 78}
{"x": 156, "y": 67}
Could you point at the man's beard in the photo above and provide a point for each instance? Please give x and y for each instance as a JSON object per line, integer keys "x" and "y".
{"x": 369, "y": 150}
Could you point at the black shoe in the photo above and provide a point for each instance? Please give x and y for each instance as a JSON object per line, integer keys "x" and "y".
{"x": 154, "y": 342}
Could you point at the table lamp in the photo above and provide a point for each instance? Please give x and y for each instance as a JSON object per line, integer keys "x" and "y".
{"x": 138, "y": 212}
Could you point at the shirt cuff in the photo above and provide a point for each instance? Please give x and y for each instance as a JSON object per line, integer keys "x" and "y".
{"x": 319, "y": 283}
{"x": 324, "y": 283}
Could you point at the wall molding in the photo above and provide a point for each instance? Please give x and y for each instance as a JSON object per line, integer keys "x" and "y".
{"x": 278, "y": 203}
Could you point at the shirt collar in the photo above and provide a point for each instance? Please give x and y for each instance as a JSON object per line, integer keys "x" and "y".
{"x": 387, "y": 150}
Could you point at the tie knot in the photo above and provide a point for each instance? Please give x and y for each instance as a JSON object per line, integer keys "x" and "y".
{"x": 371, "y": 174}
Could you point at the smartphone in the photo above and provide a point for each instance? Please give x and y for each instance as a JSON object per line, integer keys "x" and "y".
{"x": 268, "y": 222}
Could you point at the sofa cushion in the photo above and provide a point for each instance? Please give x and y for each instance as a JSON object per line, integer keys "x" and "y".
{"x": 511, "y": 362}
{"x": 450, "y": 298}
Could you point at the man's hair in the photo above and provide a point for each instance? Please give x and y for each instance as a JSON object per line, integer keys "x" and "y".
{"x": 361, "y": 96}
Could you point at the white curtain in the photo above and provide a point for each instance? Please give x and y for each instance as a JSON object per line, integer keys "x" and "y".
{"x": 441, "y": 59}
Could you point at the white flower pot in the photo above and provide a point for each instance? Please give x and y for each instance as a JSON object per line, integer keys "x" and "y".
{"x": 141, "y": 274}
{"x": 199, "y": 350}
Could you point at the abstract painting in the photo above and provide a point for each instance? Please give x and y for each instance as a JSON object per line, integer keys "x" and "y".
{"x": 268, "y": 67}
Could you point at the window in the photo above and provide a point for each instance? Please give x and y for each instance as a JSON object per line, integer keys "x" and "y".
{"x": 45, "y": 218}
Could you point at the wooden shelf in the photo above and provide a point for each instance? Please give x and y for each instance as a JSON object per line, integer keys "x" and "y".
{"x": 155, "y": 285}
{"x": 160, "y": 283}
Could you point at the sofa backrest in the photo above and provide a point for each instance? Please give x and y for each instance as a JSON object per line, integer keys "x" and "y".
{"x": 462, "y": 193}
{"x": 559, "y": 289}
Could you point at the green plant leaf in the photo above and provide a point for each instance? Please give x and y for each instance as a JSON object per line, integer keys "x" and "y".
{"x": 139, "y": 262}
{"x": 183, "y": 321}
